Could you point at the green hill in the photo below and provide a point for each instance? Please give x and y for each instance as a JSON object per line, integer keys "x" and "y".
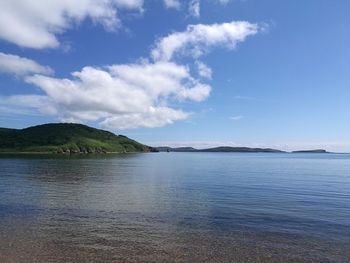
{"x": 66, "y": 138}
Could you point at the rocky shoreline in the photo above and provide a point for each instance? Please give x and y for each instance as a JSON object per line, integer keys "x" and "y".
{"x": 82, "y": 150}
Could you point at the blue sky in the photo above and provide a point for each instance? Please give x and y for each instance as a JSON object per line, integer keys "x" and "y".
{"x": 201, "y": 73}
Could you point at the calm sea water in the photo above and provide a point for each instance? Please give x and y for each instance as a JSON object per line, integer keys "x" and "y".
{"x": 175, "y": 207}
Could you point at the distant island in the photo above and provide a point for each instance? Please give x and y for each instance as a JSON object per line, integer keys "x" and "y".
{"x": 311, "y": 151}
{"x": 218, "y": 149}
{"x": 66, "y": 138}
{"x": 232, "y": 149}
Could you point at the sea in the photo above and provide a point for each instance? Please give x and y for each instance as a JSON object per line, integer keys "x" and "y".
{"x": 175, "y": 207}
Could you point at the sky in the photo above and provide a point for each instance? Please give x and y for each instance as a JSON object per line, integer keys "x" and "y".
{"x": 202, "y": 73}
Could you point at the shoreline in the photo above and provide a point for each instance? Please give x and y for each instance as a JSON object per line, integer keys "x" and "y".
{"x": 66, "y": 154}
{"x": 103, "y": 153}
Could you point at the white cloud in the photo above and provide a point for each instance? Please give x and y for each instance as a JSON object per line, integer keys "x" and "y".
{"x": 27, "y": 105}
{"x": 223, "y": 2}
{"x": 35, "y": 24}
{"x": 198, "y": 39}
{"x": 194, "y": 8}
{"x": 20, "y": 66}
{"x": 193, "y": 5}
{"x": 172, "y": 4}
{"x": 124, "y": 96}
{"x": 135, "y": 95}
{"x": 130, "y": 4}
{"x": 154, "y": 117}
{"x": 203, "y": 70}
{"x": 236, "y": 118}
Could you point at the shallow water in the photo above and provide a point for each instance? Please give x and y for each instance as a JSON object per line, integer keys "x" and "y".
{"x": 182, "y": 207}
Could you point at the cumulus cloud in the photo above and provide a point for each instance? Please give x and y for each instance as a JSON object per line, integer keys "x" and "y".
{"x": 154, "y": 117}
{"x": 35, "y": 24}
{"x": 21, "y": 66}
{"x": 124, "y": 96}
{"x": 199, "y": 39}
{"x": 136, "y": 95}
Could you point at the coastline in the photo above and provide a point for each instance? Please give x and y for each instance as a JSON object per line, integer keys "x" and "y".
{"x": 66, "y": 154}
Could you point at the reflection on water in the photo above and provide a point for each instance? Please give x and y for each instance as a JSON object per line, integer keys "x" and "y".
{"x": 215, "y": 207}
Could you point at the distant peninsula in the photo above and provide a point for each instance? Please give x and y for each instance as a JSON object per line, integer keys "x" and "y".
{"x": 311, "y": 151}
{"x": 66, "y": 138}
{"x": 232, "y": 149}
{"x": 218, "y": 149}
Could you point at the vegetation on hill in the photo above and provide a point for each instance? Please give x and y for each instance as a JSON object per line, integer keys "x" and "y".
{"x": 66, "y": 138}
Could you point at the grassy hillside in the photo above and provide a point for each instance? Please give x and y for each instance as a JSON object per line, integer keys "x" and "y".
{"x": 66, "y": 137}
